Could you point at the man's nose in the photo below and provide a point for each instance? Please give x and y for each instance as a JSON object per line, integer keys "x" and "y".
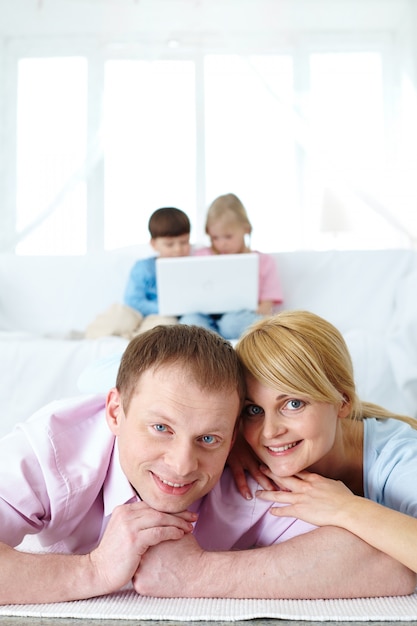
{"x": 182, "y": 458}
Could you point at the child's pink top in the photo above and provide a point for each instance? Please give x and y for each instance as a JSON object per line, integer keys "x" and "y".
{"x": 269, "y": 282}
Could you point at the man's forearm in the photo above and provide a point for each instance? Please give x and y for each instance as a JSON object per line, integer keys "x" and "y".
{"x": 325, "y": 563}
{"x": 36, "y": 578}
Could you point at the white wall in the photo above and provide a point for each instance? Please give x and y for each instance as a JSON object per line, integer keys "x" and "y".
{"x": 205, "y": 17}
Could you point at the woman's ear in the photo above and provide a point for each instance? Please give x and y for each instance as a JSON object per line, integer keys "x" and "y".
{"x": 114, "y": 410}
{"x": 345, "y": 407}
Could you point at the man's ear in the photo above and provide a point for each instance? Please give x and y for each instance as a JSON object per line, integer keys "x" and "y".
{"x": 152, "y": 242}
{"x": 114, "y": 410}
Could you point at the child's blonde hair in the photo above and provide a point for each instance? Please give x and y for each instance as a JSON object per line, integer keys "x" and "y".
{"x": 305, "y": 355}
{"x": 228, "y": 206}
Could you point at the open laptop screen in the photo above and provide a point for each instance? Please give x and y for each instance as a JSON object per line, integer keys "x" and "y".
{"x": 207, "y": 284}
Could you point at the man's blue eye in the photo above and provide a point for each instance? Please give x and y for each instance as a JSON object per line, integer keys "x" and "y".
{"x": 208, "y": 439}
{"x": 160, "y": 427}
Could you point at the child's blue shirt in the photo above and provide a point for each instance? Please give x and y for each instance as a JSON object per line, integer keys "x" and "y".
{"x": 140, "y": 292}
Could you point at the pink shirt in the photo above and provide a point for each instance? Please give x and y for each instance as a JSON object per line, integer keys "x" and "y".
{"x": 61, "y": 479}
{"x": 269, "y": 282}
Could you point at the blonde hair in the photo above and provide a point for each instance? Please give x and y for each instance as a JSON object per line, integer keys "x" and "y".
{"x": 228, "y": 206}
{"x": 305, "y": 355}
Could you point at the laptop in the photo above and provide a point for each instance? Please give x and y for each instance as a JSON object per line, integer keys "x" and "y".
{"x": 207, "y": 284}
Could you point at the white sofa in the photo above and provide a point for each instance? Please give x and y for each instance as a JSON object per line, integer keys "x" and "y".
{"x": 45, "y": 306}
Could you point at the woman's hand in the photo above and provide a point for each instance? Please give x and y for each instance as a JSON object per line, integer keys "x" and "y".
{"x": 241, "y": 458}
{"x": 326, "y": 502}
{"x": 310, "y": 497}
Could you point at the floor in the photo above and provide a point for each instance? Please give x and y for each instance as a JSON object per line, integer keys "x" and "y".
{"x": 29, "y": 621}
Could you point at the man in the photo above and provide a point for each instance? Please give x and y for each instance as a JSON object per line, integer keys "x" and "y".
{"x": 98, "y": 485}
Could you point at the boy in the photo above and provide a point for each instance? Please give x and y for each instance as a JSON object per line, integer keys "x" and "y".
{"x": 170, "y": 237}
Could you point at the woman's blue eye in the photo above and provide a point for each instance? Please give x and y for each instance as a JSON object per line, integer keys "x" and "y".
{"x": 295, "y": 404}
{"x": 160, "y": 428}
{"x": 208, "y": 439}
{"x": 252, "y": 410}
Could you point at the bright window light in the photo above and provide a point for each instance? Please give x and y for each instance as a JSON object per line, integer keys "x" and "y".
{"x": 249, "y": 139}
{"x": 347, "y": 110}
{"x": 51, "y": 150}
{"x": 293, "y": 136}
{"x": 346, "y": 150}
{"x": 149, "y": 137}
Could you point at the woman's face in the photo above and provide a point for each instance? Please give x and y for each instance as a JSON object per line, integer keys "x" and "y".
{"x": 290, "y": 433}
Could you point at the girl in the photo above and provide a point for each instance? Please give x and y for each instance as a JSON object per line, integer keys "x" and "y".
{"x": 227, "y": 224}
{"x": 336, "y": 460}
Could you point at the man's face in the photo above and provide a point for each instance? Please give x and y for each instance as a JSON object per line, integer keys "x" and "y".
{"x": 174, "y": 439}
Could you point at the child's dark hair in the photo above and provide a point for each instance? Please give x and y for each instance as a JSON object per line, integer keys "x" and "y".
{"x": 168, "y": 222}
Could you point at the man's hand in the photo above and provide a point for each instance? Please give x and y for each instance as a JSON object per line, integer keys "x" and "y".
{"x": 168, "y": 570}
{"x": 27, "y": 577}
{"x": 132, "y": 529}
{"x": 324, "y": 563}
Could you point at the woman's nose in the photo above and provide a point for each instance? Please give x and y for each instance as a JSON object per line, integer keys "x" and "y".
{"x": 273, "y": 426}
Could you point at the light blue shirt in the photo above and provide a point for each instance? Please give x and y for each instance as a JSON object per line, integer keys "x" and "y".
{"x": 390, "y": 464}
{"x": 141, "y": 293}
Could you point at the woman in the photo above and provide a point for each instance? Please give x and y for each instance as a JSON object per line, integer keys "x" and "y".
{"x": 337, "y": 461}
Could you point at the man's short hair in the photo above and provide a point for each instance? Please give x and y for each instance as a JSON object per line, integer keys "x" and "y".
{"x": 209, "y": 360}
{"x": 169, "y": 222}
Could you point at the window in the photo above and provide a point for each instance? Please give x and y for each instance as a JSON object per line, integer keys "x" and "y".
{"x": 347, "y": 144}
{"x": 149, "y": 136}
{"x": 249, "y": 138}
{"x": 181, "y": 130}
{"x": 51, "y": 150}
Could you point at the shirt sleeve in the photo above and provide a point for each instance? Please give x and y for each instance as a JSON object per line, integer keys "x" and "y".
{"x": 390, "y": 455}
{"x": 53, "y": 469}
{"x": 23, "y": 509}
{"x": 269, "y": 281}
{"x": 141, "y": 291}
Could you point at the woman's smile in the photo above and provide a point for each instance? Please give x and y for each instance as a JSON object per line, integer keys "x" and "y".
{"x": 283, "y": 447}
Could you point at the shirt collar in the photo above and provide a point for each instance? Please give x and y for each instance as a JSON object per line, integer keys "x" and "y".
{"x": 116, "y": 488}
